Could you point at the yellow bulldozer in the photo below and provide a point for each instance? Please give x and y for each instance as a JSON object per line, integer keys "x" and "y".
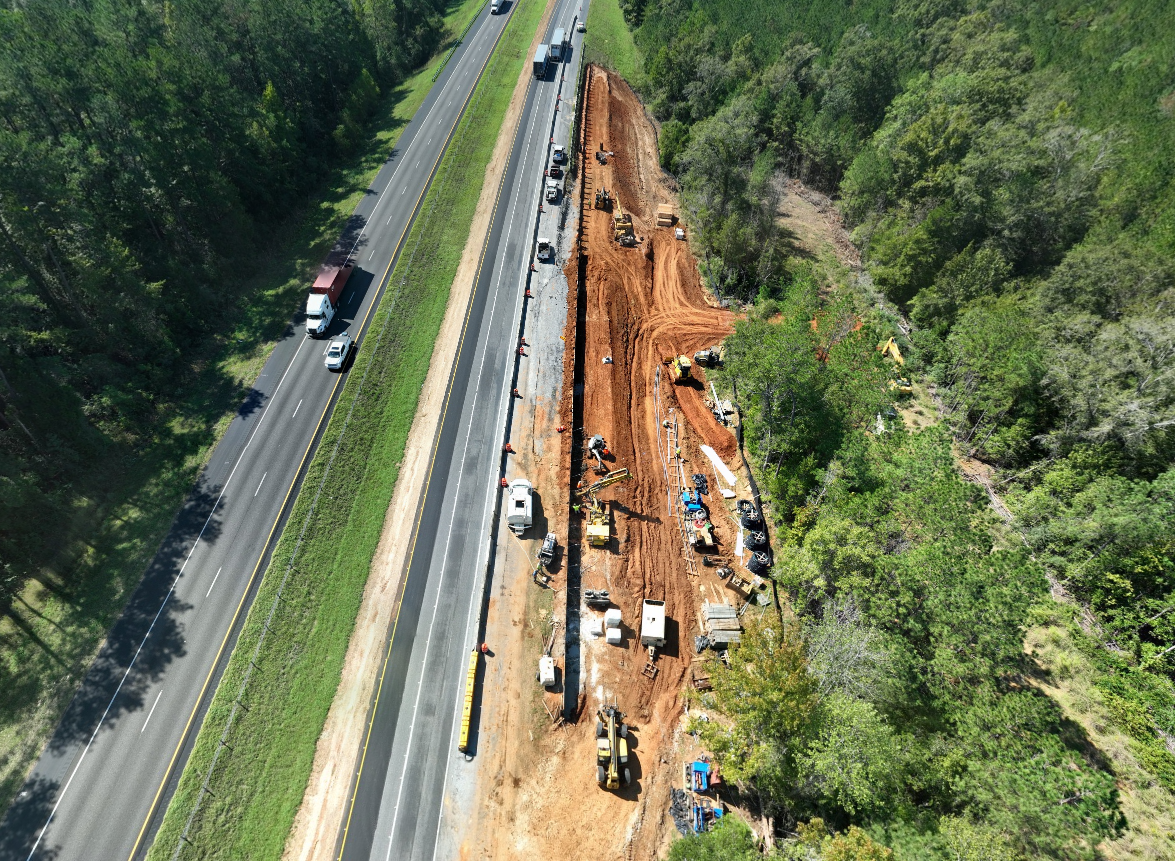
{"x": 681, "y": 368}
{"x": 612, "y": 770}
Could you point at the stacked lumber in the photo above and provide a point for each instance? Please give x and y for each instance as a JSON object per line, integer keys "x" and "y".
{"x": 720, "y": 623}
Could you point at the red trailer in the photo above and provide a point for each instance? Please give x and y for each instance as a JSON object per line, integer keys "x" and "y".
{"x": 324, "y": 297}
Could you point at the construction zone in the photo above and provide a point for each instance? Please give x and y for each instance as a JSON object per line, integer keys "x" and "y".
{"x": 666, "y": 548}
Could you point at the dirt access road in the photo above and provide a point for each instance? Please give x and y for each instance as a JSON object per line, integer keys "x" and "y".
{"x": 639, "y": 305}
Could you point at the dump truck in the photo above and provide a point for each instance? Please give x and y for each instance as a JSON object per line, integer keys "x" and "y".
{"x": 325, "y": 297}
{"x": 665, "y": 216}
{"x": 542, "y": 57}
{"x": 520, "y": 511}
{"x": 612, "y": 748}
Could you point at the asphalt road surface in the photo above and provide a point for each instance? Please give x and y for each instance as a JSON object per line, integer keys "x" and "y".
{"x": 103, "y": 781}
{"x": 410, "y": 759}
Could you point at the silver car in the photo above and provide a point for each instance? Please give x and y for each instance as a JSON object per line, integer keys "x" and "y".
{"x": 339, "y": 351}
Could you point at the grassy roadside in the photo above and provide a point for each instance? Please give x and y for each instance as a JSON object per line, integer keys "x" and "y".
{"x": 609, "y": 43}
{"x": 57, "y": 624}
{"x": 291, "y": 650}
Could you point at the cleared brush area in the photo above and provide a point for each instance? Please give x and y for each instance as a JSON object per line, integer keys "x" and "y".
{"x": 290, "y": 654}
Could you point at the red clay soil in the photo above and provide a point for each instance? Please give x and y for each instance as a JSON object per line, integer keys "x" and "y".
{"x": 642, "y": 304}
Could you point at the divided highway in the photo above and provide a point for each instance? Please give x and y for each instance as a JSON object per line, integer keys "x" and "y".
{"x": 102, "y": 783}
{"x": 402, "y": 803}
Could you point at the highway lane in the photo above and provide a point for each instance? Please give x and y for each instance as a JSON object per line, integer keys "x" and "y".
{"x": 102, "y": 782}
{"x": 398, "y": 808}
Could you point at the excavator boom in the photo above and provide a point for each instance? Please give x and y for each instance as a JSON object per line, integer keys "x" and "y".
{"x": 613, "y": 477}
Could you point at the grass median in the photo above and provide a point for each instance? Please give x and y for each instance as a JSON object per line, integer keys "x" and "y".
{"x": 290, "y": 654}
{"x": 609, "y": 43}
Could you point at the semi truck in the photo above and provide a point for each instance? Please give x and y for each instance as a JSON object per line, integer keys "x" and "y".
{"x": 542, "y": 57}
{"x": 558, "y": 40}
{"x": 325, "y": 294}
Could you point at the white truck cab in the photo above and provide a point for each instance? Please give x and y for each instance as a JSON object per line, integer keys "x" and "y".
{"x": 319, "y": 313}
{"x": 519, "y": 506}
{"x": 495, "y": 6}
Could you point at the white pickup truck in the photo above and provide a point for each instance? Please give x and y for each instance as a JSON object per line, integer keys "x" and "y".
{"x": 519, "y": 507}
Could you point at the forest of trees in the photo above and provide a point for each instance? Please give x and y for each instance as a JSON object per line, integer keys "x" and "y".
{"x": 1008, "y": 170}
{"x": 147, "y": 149}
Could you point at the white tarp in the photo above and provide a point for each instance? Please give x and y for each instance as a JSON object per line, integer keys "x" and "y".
{"x": 719, "y": 465}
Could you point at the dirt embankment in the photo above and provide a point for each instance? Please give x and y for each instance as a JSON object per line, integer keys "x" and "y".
{"x": 639, "y": 305}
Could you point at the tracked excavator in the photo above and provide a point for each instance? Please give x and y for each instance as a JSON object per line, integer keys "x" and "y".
{"x": 622, "y": 226}
{"x": 612, "y": 748}
{"x": 599, "y": 448}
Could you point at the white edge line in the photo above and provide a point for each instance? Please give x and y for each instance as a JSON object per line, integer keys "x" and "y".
{"x": 166, "y": 598}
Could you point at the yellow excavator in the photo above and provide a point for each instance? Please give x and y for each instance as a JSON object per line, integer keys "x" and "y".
{"x": 622, "y": 226}
{"x": 598, "y": 529}
{"x": 899, "y": 383}
{"x": 612, "y": 748}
